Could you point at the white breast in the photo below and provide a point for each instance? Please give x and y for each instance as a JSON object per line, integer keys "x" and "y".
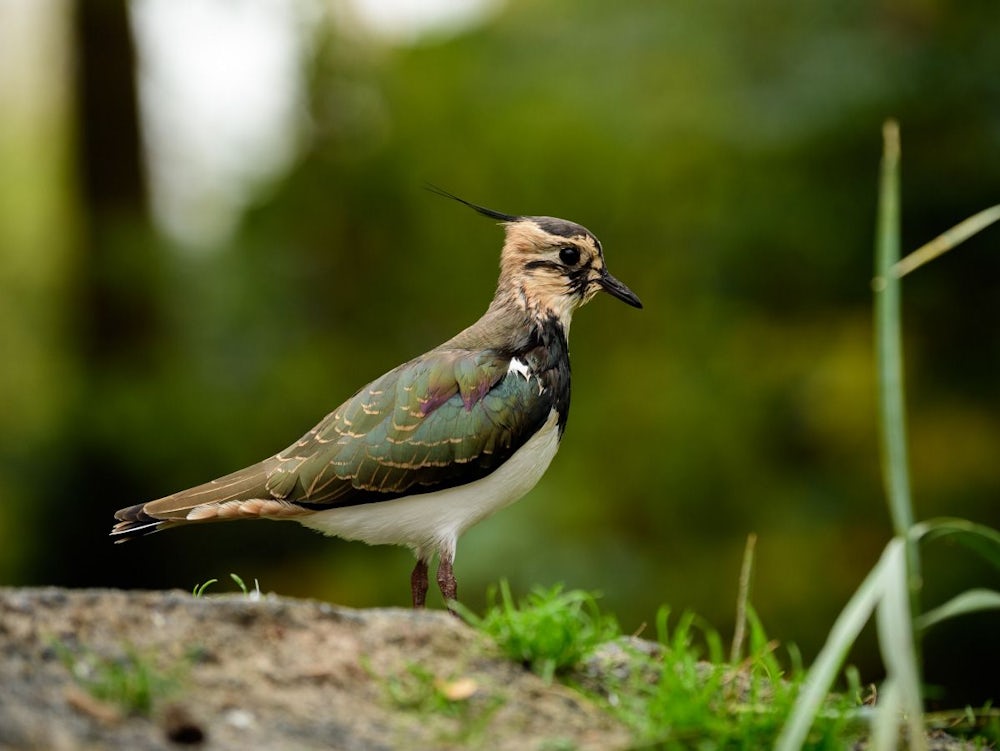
{"x": 433, "y": 521}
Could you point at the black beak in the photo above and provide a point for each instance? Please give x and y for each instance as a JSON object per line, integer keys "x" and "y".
{"x": 616, "y": 289}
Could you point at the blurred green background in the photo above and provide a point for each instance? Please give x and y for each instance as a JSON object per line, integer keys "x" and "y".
{"x": 213, "y": 229}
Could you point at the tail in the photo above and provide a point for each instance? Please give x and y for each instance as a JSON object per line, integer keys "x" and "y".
{"x": 240, "y": 495}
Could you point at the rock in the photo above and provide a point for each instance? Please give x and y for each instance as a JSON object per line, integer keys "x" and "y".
{"x": 227, "y": 672}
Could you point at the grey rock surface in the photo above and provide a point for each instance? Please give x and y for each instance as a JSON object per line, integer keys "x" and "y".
{"x": 275, "y": 673}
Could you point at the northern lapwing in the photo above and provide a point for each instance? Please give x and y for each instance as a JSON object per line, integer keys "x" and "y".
{"x": 441, "y": 442}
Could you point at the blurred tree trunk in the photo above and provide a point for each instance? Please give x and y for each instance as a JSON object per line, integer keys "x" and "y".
{"x": 117, "y": 322}
{"x": 119, "y": 257}
{"x": 107, "y": 304}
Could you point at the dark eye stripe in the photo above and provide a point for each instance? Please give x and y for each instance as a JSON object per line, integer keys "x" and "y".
{"x": 543, "y": 264}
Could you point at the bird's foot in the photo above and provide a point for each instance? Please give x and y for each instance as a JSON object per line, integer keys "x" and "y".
{"x": 418, "y": 584}
{"x": 446, "y": 581}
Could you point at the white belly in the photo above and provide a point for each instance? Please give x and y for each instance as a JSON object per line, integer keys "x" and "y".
{"x": 433, "y": 521}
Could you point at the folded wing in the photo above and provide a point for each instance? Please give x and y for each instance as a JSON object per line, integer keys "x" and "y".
{"x": 446, "y": 418}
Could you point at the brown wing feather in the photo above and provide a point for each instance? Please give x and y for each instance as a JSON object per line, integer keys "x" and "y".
{"x": 244, "y": 485}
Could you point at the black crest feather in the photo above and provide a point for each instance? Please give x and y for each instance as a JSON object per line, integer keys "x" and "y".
{"x": 498, "y": 215}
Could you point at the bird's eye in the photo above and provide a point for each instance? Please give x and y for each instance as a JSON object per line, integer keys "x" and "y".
{"x": 569, "y": 255}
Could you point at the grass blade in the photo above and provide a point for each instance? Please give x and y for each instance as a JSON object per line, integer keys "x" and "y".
{"x": 888, "y": 339}
{"x": 896, "y": 642}
{"x": 970, "y": 601}
{"x": 828, "y": 662}
{"x": 976, "y": 537}
{"x": 889, "y": 360}
{"x": 743, "y": 600}
{"x": 946, "y": 241}
{"x": 885, "y": 726}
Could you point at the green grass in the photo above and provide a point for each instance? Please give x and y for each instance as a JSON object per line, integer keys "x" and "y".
{"x": 131, "y": 681}
{"x": 200, "y": 590}
{"x": 685, "y": 695}
{"x": 550, "y": 632}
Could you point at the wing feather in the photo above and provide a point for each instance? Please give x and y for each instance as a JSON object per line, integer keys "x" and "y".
{"x": 444, "y": 419}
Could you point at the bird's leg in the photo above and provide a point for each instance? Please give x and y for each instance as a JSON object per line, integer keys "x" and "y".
{"x": 446, "y": 580}
{"x": 418, "y": 583}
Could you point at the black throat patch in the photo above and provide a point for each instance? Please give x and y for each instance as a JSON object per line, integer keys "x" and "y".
{"x": 546, "y": 353}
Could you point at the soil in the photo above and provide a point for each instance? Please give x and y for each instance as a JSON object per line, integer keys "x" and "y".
{"x": 232, "y": 672}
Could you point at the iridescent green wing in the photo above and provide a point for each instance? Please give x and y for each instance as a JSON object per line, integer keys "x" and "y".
{"x": 444, "y": 419}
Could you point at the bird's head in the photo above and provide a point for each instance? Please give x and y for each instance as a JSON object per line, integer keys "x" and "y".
{"x": 551, "y": 266}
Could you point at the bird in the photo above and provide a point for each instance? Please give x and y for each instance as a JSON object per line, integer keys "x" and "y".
{"x": 441, "y": 442}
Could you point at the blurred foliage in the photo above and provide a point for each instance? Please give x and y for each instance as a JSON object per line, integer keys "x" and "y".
{"x": 725, "y": 154}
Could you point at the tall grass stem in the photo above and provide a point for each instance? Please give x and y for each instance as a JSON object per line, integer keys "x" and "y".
{"x": 889, "y": 358}
{"x": 743, "y": 600}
